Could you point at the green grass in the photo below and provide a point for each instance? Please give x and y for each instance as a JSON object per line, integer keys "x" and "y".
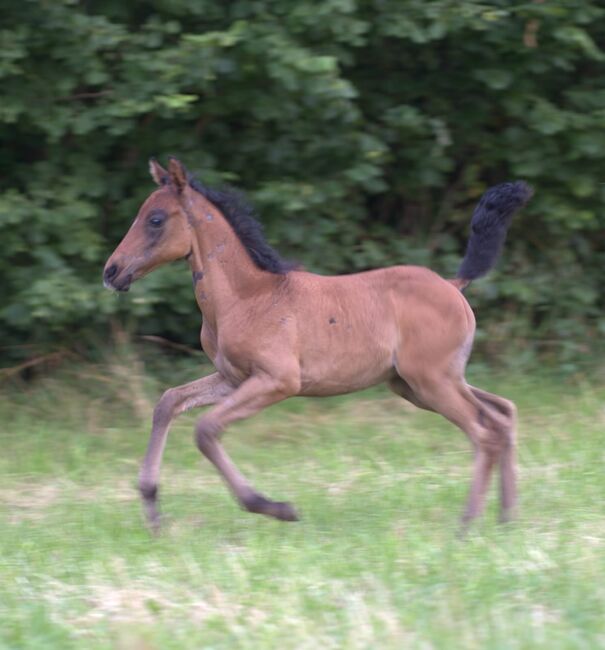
{"x": 374, "y": 563}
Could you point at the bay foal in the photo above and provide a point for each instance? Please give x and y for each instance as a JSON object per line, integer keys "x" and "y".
{"x": 273, "y": 331}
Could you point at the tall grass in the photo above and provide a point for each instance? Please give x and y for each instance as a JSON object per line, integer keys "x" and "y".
{"x": 374, "y": 563}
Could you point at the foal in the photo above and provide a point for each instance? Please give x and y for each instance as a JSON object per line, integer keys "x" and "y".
{"x": 273, "y": 331}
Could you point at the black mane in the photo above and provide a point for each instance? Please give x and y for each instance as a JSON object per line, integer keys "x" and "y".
{"x": 240, "y": 215}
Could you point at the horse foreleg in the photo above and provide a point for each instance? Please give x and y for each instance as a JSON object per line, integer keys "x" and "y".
{"x": 253, "y": 395}
{"x": 174, "y": 401}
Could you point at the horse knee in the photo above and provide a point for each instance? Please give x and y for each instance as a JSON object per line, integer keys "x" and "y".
{"x": 206, "y": 430}
{"x": 164, "y": 409}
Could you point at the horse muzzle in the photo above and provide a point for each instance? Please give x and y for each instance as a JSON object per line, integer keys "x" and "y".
{"x": 115, "y": 279}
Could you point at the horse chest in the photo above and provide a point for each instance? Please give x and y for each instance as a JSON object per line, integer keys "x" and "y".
{"x": 229, "y": 368}
{"x": 231, "y": 371}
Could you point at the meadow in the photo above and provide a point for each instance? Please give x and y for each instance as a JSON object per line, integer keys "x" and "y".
{"x": 375, "y": 561}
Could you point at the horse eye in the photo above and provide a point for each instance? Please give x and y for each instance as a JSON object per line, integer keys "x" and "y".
{"x": 156, "y": 220}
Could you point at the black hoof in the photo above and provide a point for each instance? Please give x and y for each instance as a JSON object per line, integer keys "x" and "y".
{"x": 507, "y": 515}
{"x": 285, "y": 511}
{"x": 279, "y": 509}
{"x": 464, "y": 528}
{"x": 154, "y": 523}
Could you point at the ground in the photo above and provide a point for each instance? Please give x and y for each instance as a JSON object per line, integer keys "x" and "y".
{"x": 374, "y": 563}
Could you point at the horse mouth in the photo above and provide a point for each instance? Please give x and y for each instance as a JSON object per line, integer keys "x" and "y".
{"x": 119, "y": 285}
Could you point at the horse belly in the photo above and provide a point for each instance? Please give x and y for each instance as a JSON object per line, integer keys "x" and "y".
{"x": 339, "y": 369}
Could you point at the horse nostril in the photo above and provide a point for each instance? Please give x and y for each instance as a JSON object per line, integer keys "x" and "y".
{"x": 110, "y": 272}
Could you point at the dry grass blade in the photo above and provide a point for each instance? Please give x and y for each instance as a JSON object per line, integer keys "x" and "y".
{"x": 130, "y": 371}
{"x": 172, "y": 345}
{"x": 51, "y": 359}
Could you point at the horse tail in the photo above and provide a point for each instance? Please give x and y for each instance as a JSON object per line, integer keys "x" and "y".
{"x": 489, "y": 225}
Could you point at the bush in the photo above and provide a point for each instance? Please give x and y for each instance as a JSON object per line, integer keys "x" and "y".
{"x": 363, "y": 131}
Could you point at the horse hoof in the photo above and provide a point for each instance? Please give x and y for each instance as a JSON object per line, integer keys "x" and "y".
{"x": 285, "y": 511}
{"x": 507, "y": 515}
{"x": 279, "y": 509}
{"x": 154, "y": 524}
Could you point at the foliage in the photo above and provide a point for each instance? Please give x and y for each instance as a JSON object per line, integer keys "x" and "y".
{"x": 364, "y": 131}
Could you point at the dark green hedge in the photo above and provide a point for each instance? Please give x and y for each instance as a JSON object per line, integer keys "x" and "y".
{"x": 364, "y": 131}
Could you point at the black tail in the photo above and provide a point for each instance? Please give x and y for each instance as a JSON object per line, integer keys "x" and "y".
{"x": 489, "y": 224}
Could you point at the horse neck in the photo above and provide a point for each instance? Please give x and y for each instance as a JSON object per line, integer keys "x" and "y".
{"x": 222, "y": 270}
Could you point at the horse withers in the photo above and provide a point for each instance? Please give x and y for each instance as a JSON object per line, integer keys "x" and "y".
{"x": 273, "y": 331}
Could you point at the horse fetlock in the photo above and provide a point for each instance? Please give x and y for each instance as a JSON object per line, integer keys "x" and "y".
{"x": 149, "y": 491}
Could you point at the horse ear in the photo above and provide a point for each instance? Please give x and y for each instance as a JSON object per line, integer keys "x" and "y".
{"x": 158, "y": 173}
{"x": 178, "y": 174}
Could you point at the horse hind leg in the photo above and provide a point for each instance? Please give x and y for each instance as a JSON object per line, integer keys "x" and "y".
{"x": 401, "y": 387}
{"x": 455, "y": 401}
{"x": 504, "y": 415}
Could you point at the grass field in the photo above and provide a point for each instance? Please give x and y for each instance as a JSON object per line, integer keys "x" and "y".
{"x": 374, "y": 563}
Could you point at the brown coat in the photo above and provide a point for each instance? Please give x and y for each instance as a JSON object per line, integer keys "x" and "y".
{"x": 273, "y": 332}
